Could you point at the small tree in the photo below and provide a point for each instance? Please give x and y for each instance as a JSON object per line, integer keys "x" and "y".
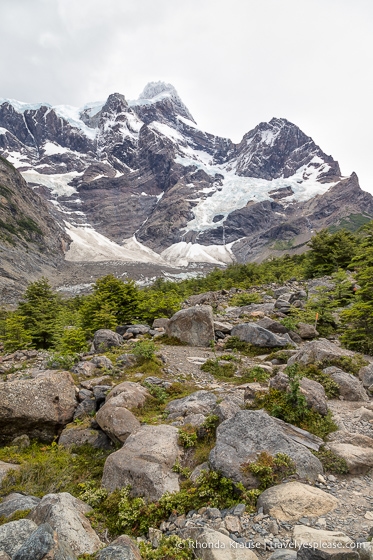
{"x": 16, "y": 337}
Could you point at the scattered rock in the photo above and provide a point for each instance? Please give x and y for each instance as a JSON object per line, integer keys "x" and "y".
{"x": 213, "y": 545}
{"x": 77, "y": 435}
{"x": 104, "y": 339}
{"x": 224, "y": 328}
{"x": 318, "y": 351}
{"x": 129, "y": 395}
{"x": 116, "y": 421}
{"x": 194, "y": 326}
{"x": 258, "y": 336}
{"x": 14, "y": 534}
{"x": 293, "y": 500}
{"x": 17, "y": 502}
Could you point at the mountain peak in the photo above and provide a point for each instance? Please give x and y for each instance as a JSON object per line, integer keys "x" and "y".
{"x": 157, "y": 92}
{"x": 153, "y": 89}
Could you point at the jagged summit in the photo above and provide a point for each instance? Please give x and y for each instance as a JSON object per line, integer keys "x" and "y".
{"x": 154, "y": 89}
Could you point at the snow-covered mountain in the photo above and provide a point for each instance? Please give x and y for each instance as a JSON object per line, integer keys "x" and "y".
{"x": 139, "y": 181}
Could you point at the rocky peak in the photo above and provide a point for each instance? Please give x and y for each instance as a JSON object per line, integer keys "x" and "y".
{"x": 278, "y": 148}
{"x": 116, "y": 103}
{"x": 160, "y": 101}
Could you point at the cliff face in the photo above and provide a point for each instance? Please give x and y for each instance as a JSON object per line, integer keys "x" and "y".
{"x": 31, "y": 239}
{"x": 143, "y": 171}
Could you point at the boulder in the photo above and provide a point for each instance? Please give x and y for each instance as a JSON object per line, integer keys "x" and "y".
{"x": 350, "y": 388}
{"x": 116, "y": 421}
{"x": 366, "y": 375}
{"x": 145, "y": 463}
{"x": 84, "y": 409}
{"x": 200, "y": 402}
{"x": 307, "y": 331}
{"x": 360, "y": 440}
{"x": 318, "y": 351}
{"x": 258, "y": 336}
{"x": 313, "y": 391}
{"x": 123, "y": 548}
{"x": 273, "y": 326}
{"x": 4, "y": 556}
{"x": 102, "y": 362}
{"x": 17, "y": 502}
{"x": 283, "y": 554}
{"x": 226, "y": 409}
{"x": 224, "y": 328}
{"x": 5, "y": 468}
{"x": 293, "y": 500}
{"x": 359, "y": 459}
{"x": 91, "y": 383}
{"x": 240, "y": 439}
{"x": 104, "y": 339}
{"x": 14, "y": 534}
{"x": 66, "y": 515}
{"x": 129, "y": 395}
{"x": 138, "y": 329}
{"x": 213, "y": 545}
{"x": 160, "y": 323}
{"x": 194, "y": 326}
{"x": 327, "y": 544}
{"x": 85, "y": 368}
{"x": 38, "y": 407}
{"x": 44, "y": 543}
{"x": 77, "y": 436}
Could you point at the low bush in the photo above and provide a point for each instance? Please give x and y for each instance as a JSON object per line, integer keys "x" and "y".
{"x": 316, "y": 374}
{"x": 331, "y": 462}
{"x": 270, "y": 470}
{"x": 256, "y": 374}
{"x": 239, "y": 300}
{"x": 217, "y": 369}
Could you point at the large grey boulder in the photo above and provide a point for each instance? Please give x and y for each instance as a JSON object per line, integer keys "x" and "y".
{"x": 350, "y": 388}
{"x": 258, "y": 336}
{"x": 38, "y": 407}
{"x": 194, "y": 326}
{"x": 123, "y": 548}
{"x": 313, "y": 391}
{"x": 17, "y": 502}
{"x": 318, "y": 351}
{"x": 200, "y": 402}
{"x": 66, "y": 515}
{"x": 116, "y": 421}
{"x": 145, "y": 463}
{"x": 43, "y": 543}
{"x": 307, "y": 331}
{"x": 293, "y": 500}
{"x": 14, "y": 534}
{"x": 328, "y": 544}
{"x": 129, "y": 395}
{"x": 73, "y": 436}
{"x": 104, "y": 339}
{"x": 240, "y": 439}
{"x": 366, "y": 375}
{"x": 359, "y": 459}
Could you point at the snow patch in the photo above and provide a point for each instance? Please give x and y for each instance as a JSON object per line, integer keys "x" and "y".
{"x": 58, "y": 184}
{"x": 182, "y": 253}
{"x": 51, "y": 149}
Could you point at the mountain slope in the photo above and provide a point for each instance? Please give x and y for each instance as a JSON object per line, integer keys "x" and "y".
{"x": 142, "y": 173}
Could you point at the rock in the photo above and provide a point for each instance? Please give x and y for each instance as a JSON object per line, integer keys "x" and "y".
{"x": 116, "y": 421}
{"x": 232, "y": 524}
{"x": 226, "y": 409}
{"x": 66, "y": 515}
{"x": 365, "y": 551}
{"x": 104, "y": 339}
{"x": 194, "y": 420}
{"x": 224, "y": 328}
{"x": 213, "y": 545}
{"x": 318, "y": 351}
{"x": 17, "y": 502}
{"x": 293, "y": 500}
{"x": 283, "y": 554}
{"x": 138, "y": 329}
{"x": 241, "y": 438}
{"x": 76, "y": 435}
{"x": 282, "y": 305}
{"x": 123, "y": 548}
{"x": 358, "y": 459}
{"x": 313, "y": 391}
{"x": 85, "y": 368}
{"x": 307, "y": 331}
{"x": 360, "y": 440}
{"x": 160, "y": 323}
{"x": 5, "y": 468}
{"x": 84, "y": 409}
{"x": 145, "y": 462}
{"x": 129, "y": 395}
{"x": 102, "y": 362}
{"x": 14, "y": 534}
{"x": 258, "y": 336}
{"x": 300, "y": 436}
{"x": 38, "y": 407}
{"x": 21, "y": 442}
{"x": 44, "y": 543}
{"x": 350, "y": 388}
{"x": 194, "y": 326}
{"x": 366, "y": 375}
{"x": 251, "y": 390}
{"x": 273, "y": 326}
{"x": 4, "y": 556}
{"x": 126, "y": 360}
{"x": 99, "y": 393}
{"x": 200, "y": 402}
{"x": 91, "y": 383}
{"x": 198, "y": 471}
{"x": 328, "y": 544}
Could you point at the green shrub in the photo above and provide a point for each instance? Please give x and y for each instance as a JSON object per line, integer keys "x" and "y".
{"x": 239, "y": 300}
{"x": 188, "y": 436}
{"x": 16, "y": 336}
{"x": 144, "y": 350}
{"x": 331, "y": 462}
{"x": 170, "y": 548}
{"x": 256, "y": 374}
{"x": 270, "y": 470}
{"x": 351, "y": 364}
{"x": 313, "y": 372}
{"x": 58, "y": 360}
{"x": 217, "y": 369}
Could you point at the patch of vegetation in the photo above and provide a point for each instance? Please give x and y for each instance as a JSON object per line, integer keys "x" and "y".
{"x": 270, "y": 470}
{"x": 311, "y": 371}
{"x": 281, "y": 355}
{"x": 20, "y": 514}
{"x": 188, "y": 436}
{"x": 154, "y": 408}
{"x": 58, "y": 360}
{"x": 350, "y": 364}
{"x": 331, "y": 462}
{"x": 27, "y": 224}
{"x": 256, "y": 374}
{"x": 144, "y": 350}
{"x": 171, "y": 340}
{"x": 351, "y": 223}
{"x": 219, "y": 370}
{"x": 239, "y": 300}
{"x": 170, "y": 548}
{"x": 51, "y": 468}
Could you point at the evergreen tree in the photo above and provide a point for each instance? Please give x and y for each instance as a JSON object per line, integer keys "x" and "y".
{"x": 16, "y": 336}
{"x": 330, "y": 251}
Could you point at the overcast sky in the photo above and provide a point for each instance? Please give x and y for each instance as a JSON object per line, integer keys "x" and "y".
{"x": 234, "y": 63}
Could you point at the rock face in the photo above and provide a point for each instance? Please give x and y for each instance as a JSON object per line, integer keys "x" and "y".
{"x": 350, "y": 388}
{"x": 38, "y": 407}
{"x": 44, "y": 543}
{"x": 13, "y": 535}
{"x": 240, "y": 439}
{"x": 194, "y": 326}
{"x": 65, "y": 514}
{"x": 145, "y": 462}
{"x": 293, "y": 500}
{"x": 258, "y": 336}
